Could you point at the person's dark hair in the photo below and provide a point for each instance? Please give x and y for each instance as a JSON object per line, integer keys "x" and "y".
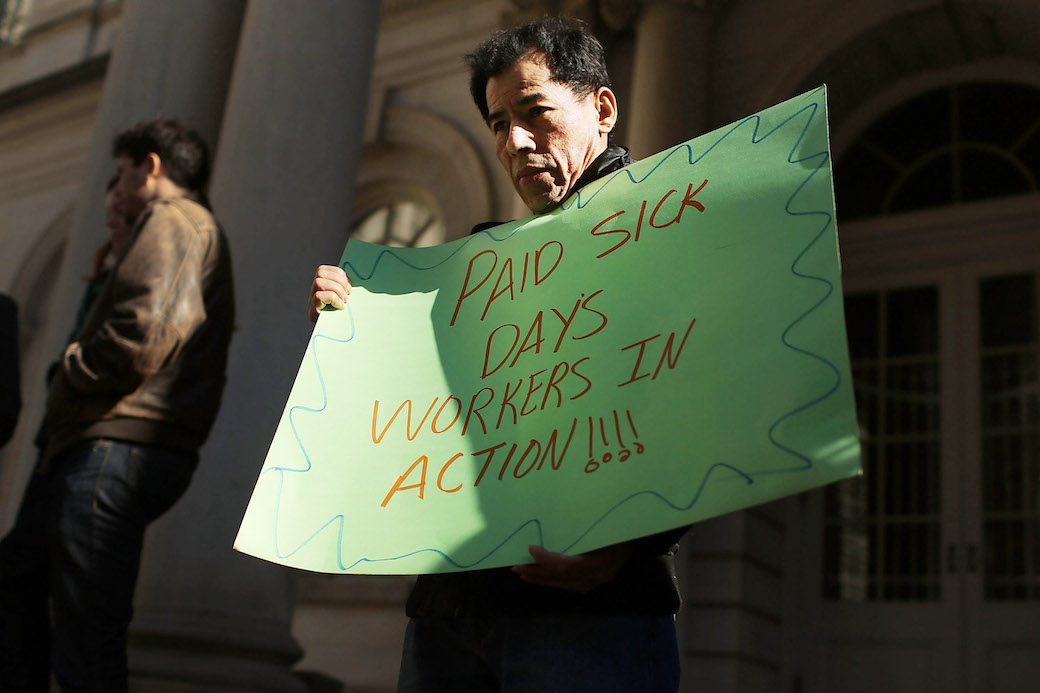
{"x": 183, "y": 152}
{"x": 572, "y": 54}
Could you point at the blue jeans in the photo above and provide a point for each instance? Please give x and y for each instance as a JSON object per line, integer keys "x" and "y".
{"x": 540, "y": 654}
{"x": 69, "y": 565}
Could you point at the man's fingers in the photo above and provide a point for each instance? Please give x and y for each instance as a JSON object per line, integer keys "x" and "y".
{"x": 334, "y": 273}
{"x": 330, "y": 287}
{"x": 326, "y": 298}
{"x": 331, "y": 278}
{"x": 579, "y": 573}
{"x": 555, "y": 570}
{"x": 540, "y": 576}
{"x": 550, "y": 560}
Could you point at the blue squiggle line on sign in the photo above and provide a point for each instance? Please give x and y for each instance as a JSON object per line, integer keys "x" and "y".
{"x": 538, "y": 525}
{"x": 281, "y": 471}
{"x": 449, "y": 559}
{"x": 827, "y": 220}
{"x": 393, "y": 253}
{"x": 678, "y": 508}
{"x": 804, "y": 463}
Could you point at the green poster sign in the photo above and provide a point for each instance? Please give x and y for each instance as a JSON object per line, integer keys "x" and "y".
{"x": 667, "y": 346}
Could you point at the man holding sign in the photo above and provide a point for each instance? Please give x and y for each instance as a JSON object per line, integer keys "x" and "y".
{"x": 599, "y": 621}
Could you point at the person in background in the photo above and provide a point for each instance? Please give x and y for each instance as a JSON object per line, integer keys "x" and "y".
{"x": 132, "y": 399}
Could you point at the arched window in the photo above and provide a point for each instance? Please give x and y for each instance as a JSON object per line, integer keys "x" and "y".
{"x": 398, "y": 214}
{"x": 422, "y": 183}
{"x": 952, "y": 145}
{"x": 401, "y": 224}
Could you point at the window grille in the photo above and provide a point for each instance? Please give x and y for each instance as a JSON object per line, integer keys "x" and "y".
{"x": 882, "y": 530}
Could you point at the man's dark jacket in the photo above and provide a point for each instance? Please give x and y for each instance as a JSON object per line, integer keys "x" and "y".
{"x": 148, "y": 363}
{"x": 10, "y": 390}
{"x": 645, "y": 586}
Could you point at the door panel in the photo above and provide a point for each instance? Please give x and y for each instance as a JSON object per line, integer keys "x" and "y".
{"x": 883, "y": 531}
{"x": 930, "y": 562}
{"x": 889, "y": 624}
{"x": 1002, "y": 486}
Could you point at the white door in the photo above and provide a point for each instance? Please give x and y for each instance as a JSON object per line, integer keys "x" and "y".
{"x": 1000, "y": 527}
{"x": 924, "y": 574}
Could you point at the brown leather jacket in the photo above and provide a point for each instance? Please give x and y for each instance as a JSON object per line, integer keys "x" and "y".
{"x": 148, "y": 363}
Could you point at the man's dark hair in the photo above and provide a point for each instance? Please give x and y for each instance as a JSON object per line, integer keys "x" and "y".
{"x": 184, "y": 154}
{"x": 572, "y": 54}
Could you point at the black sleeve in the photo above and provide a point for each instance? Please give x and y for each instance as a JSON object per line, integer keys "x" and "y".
{"x": 10, "y": 381}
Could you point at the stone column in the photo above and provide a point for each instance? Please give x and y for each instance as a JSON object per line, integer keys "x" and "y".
{"x": 210, "y": 619}
{"x": 142, "y": 80}
{"x": 671, "y": 85}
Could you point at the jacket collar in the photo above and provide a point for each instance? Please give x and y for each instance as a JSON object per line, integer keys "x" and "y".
{"x": 615, "y": 157}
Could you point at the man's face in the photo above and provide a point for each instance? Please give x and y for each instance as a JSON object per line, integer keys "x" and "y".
{"x": 116, "y": 221}
{"x": 545, "y": 136}
{"x": 134, "y": 189}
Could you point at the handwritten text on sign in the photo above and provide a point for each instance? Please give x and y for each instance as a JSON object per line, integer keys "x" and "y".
{"x": 666, "y": 347}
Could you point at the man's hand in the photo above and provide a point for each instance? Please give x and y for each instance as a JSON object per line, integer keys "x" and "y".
{"x": 330, "y": 288}
{"x": 579, "y": 573}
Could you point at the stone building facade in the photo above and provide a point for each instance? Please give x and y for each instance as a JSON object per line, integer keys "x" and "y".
{"x": 331, "y": 118}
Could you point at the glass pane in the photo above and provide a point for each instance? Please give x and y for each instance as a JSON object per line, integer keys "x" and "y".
{"x": 1010, "y": 438}
{"x": 930, "y": 185}
{"x": 881, "y": 531}
{"x": 1008, "y": 311}
{"x": 985, "y": 174}
{"x": 861, "y": 321}
{"x": 913, "y": 321}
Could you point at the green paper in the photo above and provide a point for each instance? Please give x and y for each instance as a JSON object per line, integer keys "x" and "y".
{"x": 665, "y": 347}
